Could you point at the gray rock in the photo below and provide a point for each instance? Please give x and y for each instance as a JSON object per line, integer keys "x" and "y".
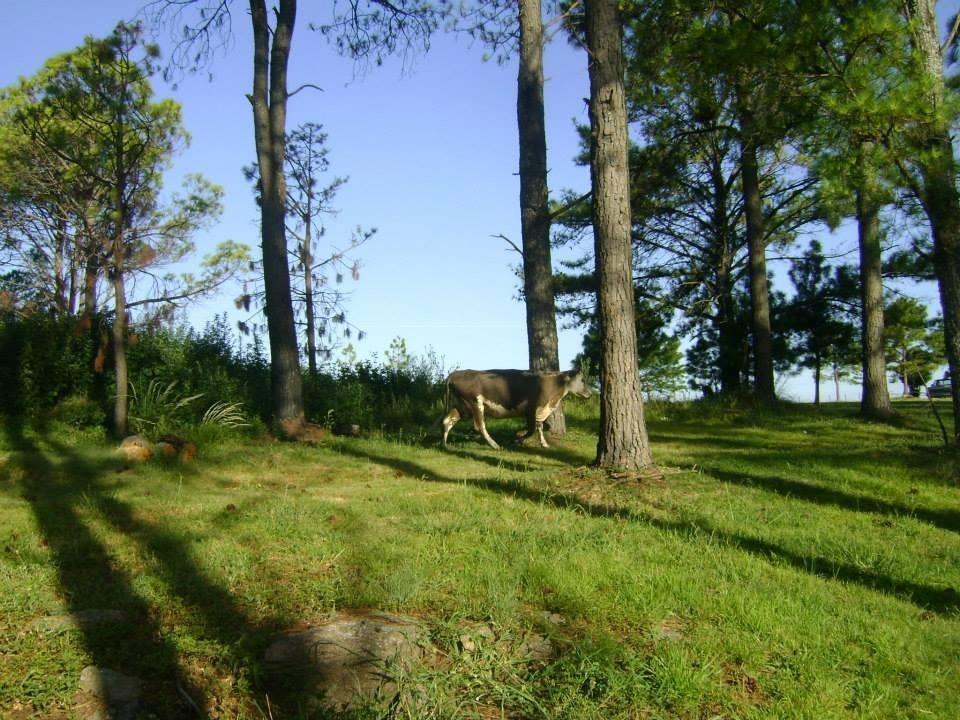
{"x": 476, "y": 634}
{"x": 536, "y": 648}
{"x": 348, "y": 660}
{"x": 551, "y": 618}
{"x": 136, "y": 448}
{"x": 110, "y": 685}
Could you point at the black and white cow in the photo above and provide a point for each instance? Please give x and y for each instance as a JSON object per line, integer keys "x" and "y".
{"x": 508, "y": 393}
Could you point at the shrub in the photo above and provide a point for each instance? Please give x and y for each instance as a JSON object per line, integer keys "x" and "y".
{"x": 160, "y": 409}
{"x": 45, "y": 372}
{"x": 392, "y": 397}
{"x": 43, "y": 360}
{"x": 79, "y": 412}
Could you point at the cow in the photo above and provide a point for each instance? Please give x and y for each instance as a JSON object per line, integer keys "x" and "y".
{"x": 508, "y": 393}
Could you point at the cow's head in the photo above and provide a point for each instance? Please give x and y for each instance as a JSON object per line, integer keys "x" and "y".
{"x": 576, "y": 385}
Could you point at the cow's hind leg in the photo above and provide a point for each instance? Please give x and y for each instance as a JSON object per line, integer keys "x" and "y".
{"x": 534, "y": 426}
{"x": 449, "y": 420}
{"x": 481, "y": 426}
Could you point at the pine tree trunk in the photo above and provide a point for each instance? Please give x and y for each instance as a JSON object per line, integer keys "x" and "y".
{"x": 119, "y": 339}
{"x": 759, "y": 290}
{"x": 90, "y": 320}
{"x": 940, "y": 199}
{"x": 534, "y": 211}
{"x": 816, "y": 382}
{"x": 623, "y": 439}
{"x": 61, "y": 272}
{"x": 269, "y": 100}
{"x": 875, "y": 398}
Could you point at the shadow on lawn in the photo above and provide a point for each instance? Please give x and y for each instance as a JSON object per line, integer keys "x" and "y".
{"x": 943, "y": 519}
{"x": 60, "y": 485}
{"x": 470, "y": 445}
{"x": 921, "y": 458}
{"x": 925, "y": 596}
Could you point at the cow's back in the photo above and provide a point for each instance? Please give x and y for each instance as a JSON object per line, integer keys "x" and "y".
{"x": 507, "y": 388}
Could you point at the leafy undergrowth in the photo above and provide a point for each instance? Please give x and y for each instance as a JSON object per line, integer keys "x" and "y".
{"x": 794, "y": 563}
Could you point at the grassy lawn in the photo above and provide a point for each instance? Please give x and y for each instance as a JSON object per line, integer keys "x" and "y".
{"x": 790, "y": 564}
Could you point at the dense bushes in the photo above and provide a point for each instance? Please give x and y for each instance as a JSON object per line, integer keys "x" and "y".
{"x": 376, "y": 396}
{"x": 176, "y": 375}
{"x": 45, "y": 361}
{"x": 211, "y": 364}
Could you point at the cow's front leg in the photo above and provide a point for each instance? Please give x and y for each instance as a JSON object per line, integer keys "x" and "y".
{"x": 481, "y": 426}
{"x": 543, "y": 440}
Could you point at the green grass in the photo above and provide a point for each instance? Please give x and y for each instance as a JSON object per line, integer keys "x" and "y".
{"x": 795, "y": 563}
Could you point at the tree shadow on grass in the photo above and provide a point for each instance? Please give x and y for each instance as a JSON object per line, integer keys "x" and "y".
{"x": 475, "y": 448}
{"x": 922, "y": 462}
{"x": 61, "y": 484}
{"x": 943, "y": 519}
{"x": 940, "y": 599}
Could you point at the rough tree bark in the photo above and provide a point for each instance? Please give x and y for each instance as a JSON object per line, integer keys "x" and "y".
{"x": 763, "y": 382}
{"x": 269, "y": 101}
{"x": 939, "y": 193}
{"x": 534, "y": 197}
{"x": 875, "y": 398}
{"x": 118, "y": 254}
{"x": 623, "y": 439}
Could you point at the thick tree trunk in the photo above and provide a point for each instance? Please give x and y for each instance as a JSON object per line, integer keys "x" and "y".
{"x": 269, "y": 100}
{"x": 940, "y": 199}
{"x": 875, "y": 398}
{"x": 623, "y": 439}
{"x": 119, "y": 341}
{"x": 542, "y": 340}
{"x": 90, "y": 321}
{"x": 816, "y": 382}
{"x": 759, "y": 290}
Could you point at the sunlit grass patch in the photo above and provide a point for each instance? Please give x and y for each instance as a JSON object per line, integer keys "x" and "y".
{"x": 789, "y": 563}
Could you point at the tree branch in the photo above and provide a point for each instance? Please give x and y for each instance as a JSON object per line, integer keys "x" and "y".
{"x": 509, "y": 242}
{"x": 952, "y": 36}
{"x": 304, "y": 87}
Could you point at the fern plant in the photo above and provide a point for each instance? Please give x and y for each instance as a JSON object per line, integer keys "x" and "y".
{"x": 160, "y": 409}
{"x": 225, "y": 414}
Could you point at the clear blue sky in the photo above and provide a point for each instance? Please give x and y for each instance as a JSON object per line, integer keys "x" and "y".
{"x": 430, "y": 149}
{"x": 431, "y": 152}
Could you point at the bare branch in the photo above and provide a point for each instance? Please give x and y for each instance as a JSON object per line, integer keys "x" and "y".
{"x": 954, "y": 29}
{"x": 304, "y": 87}
{"x": 509, "y": 242}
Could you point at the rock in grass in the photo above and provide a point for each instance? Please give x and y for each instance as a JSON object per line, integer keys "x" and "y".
{"x": 350, "y": 661}
{"x": 136, "y": 448}
{"x": 118, "y": 693}
{"x": 183, "y": 449}
{"x": 165, "y": 449}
